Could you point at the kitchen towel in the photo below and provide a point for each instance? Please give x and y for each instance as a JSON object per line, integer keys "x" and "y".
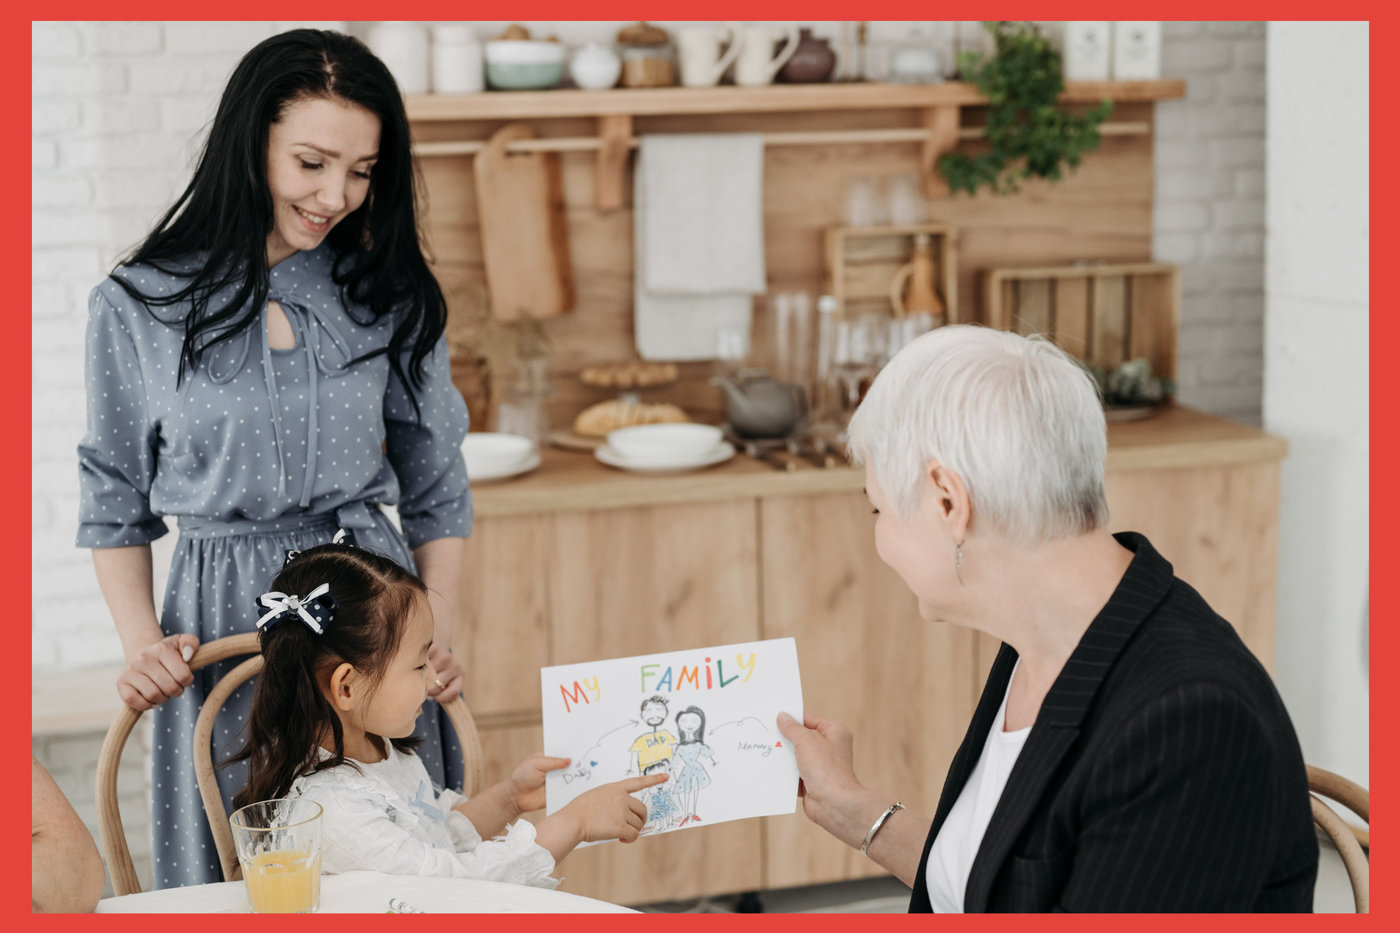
{"x": 698, "y": 237}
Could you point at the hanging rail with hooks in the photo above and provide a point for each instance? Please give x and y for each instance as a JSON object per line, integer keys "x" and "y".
{"x": 939, "y": 107}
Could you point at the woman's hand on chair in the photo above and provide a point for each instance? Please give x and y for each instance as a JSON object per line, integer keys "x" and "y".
{"x": 157, "y": 672}
{"x": 449, "y": 674}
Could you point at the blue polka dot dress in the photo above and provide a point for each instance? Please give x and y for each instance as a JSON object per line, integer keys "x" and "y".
{"x": 259, "y": 452}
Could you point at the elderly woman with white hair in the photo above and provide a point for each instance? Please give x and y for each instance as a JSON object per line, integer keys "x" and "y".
{"x": 1128, "y": 752}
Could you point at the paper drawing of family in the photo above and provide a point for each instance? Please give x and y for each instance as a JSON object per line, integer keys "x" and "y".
{"x": 671, "y": 805}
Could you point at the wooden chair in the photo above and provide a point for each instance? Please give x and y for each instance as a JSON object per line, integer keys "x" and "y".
{"x": 1349, "y": 841}
{"x": 109, "y": 819}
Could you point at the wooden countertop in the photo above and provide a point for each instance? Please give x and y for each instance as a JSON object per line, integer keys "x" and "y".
{"x": 574, "y": 482}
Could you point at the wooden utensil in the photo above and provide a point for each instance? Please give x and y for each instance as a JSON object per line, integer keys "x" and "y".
{"x": 524, "y": 231}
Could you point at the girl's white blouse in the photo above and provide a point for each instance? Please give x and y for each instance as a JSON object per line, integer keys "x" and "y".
{"x": 387, "y": 817}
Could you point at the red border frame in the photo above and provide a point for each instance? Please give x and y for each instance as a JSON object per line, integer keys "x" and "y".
{"x": 15, "y": 383}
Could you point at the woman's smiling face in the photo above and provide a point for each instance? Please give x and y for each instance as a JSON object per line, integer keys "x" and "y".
{"x": 688, "y": 723}
{"x": 319, "y": 156}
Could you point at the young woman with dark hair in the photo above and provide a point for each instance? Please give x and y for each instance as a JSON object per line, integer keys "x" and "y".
{"x": 345, "y": 637}
{"x": 269, "y": 366}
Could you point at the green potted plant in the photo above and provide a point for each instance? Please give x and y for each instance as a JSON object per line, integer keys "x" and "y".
{"x": 1028, "y": 135}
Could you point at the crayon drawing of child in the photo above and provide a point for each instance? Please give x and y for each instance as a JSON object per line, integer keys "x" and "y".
{"x": 661, "y": 809}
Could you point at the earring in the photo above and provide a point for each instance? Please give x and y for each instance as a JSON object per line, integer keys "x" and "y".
{"x": 957, "y": 562}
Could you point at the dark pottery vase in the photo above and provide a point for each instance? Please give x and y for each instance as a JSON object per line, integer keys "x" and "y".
{"x": 812, "y": 63}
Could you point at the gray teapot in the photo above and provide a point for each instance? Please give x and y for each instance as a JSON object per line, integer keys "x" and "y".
{"x": 757, "y": 405}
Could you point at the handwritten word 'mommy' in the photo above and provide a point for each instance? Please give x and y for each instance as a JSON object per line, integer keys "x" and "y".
{"x": 590, "y": 684}
{"x": 670, "y": 682}
{"x": 766, "y": 750}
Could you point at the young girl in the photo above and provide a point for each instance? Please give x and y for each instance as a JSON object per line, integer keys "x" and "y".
{"x": 345, "y": 638}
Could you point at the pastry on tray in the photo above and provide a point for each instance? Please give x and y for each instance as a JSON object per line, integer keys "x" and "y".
{"x": 634, "y": 374}
{"x": 598, "y": 420}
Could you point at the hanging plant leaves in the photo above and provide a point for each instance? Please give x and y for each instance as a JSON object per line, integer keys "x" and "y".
{"x": 1028, "y": 135}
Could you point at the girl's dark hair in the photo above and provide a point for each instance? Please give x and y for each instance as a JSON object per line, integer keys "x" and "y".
{"x": 225, "y": 215}
{"x": 699, "y": 733}
{"x": 290, "y": 714}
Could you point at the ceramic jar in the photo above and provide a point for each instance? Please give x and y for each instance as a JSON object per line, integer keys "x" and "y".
{"x": 403, "y": 48}
{"x": 595, "y": 67}
{"x": 812, "y": 63}
{"x": 457, "y": 66}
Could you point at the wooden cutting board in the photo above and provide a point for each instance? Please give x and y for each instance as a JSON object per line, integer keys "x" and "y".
{"x": 524, "y": 230}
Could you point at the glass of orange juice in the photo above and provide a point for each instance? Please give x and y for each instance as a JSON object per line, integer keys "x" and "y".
{"x": 279, "y": 850}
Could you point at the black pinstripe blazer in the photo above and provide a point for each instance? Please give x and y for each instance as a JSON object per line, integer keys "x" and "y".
{"x": 1162, "y": 774}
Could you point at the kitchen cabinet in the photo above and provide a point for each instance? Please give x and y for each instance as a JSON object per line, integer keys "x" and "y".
{"x": 576, "y": 561}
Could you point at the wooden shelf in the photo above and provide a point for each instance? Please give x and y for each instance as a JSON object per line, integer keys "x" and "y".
{"x": 939, "y": 107}
{"x": 1177, "y": 438}
{"x": 773, "y": 98}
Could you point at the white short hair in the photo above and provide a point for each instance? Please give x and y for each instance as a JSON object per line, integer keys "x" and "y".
{"x": 1015, "y": 417}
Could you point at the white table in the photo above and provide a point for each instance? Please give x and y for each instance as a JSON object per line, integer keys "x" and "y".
{"x": 359, "y": 892}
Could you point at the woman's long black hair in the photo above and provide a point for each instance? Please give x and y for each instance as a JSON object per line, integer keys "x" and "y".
{"x": 290, "y": 714}
{"x": 225, "y": 215}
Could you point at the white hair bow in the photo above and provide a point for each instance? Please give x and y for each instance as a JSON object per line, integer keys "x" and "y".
{"x": 316, "y": 608}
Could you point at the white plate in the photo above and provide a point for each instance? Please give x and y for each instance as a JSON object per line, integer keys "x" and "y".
{"x": 487, "y": 476}
{"x": 612, "y": 458}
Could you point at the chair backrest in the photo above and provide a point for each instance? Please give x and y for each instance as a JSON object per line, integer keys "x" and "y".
{"x": 109, "y": 819}
{"x": 1348, "y": 840}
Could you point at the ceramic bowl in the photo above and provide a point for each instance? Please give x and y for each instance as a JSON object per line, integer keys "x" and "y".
{"x": 493, "y": 453}
{"x": 524, "y": 64}
{"x": 665, "y": 441}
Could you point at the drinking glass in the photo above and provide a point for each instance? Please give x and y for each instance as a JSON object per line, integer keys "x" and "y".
{"x": 522, "y": 411}
{"x": 906, "y": 196}
{"x": 863, "y": 206}
{"x": 860, "y": 350}
{"x": 279, "y": 850}
{"x": 790, "y": 343}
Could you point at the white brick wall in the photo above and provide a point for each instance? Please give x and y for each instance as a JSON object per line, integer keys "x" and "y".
{"x": 1210, "y": 210}
{"x": 117, "y": 112}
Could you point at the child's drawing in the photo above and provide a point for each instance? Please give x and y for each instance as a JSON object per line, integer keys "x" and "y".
{"x": 661, "y": 809}
{"x": 656, "y": 713}
{"x": 656, "y": 744}
{"x": 693, "y": 777}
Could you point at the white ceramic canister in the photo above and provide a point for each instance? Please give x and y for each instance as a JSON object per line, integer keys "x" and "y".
{"x": 595, "y": 67}
{"x": 1137, "y": 51}
{"x": 403, "y": 48}
{"x": 457, "y": 65}
{"x": 1088, "y": 48}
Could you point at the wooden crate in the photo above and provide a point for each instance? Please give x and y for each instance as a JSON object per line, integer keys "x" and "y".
{"x": 861, "y": 262}
{"x": 1102, "y": 314}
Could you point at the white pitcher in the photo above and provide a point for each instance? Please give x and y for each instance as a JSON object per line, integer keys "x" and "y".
{"x": 757, "y": 64}
{"x": 701, "y": 62}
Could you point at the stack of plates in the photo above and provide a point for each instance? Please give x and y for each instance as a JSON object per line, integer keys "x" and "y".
{"x": 665, "y": 448}
{"x": 498, "y": 456}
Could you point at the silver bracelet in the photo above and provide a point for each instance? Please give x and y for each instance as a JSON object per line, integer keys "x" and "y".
{"x": 870, "y": 836}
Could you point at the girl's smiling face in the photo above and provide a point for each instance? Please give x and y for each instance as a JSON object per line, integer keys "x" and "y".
{"x": 688, "y": 723}
{"x": 319, "y": 156}
{"x": 393, "y": 707}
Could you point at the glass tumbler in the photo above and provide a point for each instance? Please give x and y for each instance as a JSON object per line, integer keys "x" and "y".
{"x": 864, "y": 207}
{"x": 279, "y": 850}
